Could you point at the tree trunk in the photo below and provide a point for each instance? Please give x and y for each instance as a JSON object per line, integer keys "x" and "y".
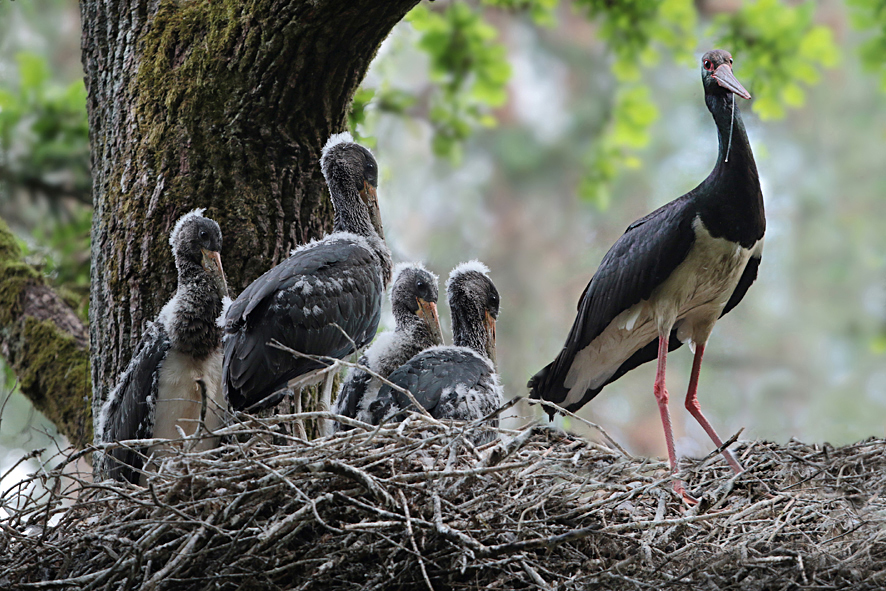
{"x": 221, "y": 104}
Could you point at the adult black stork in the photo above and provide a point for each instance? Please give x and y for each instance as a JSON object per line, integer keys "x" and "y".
{"x": 324, "y": 300}
{"x": 457, "y": 382}
{"x": 671, "y": 275}
{"x": 416, "y": 328}
{"x": 174, "y": 379}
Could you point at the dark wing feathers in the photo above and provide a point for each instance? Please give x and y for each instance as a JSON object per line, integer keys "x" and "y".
{"x": 352, "y": 392}
{"x": 430, "y": 376}
{"x": 322, "y": 300}
{"x": 130, "y": 414}
{"x": 744, "y": 284}
{"x": 640, "y": 260}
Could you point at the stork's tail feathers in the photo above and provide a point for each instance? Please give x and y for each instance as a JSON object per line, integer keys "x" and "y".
{"x": 538, "y": 385}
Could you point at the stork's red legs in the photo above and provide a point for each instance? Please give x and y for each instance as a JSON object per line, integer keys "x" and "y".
{"x": 695, "y": 410}
{"x": 661, "y": 396}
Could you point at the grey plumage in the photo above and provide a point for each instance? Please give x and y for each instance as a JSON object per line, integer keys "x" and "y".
{"x": 417, "y": 327}
{"x": 457, "y": 382}
{"x": 323, "y": 300}
{"x": 177, "y": 360}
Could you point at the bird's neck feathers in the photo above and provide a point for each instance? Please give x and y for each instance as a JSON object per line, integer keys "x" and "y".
{"x": 190, "y": 316}
{"x": 353, "y": 216}
{"x": 412, "y": 328}
{"x": 469, "y": 330}
{"x": 189, "y": 272}
{"x": 734, "y": 154}
{"x": 351, "y": 213}
{"x": 730, "y": 200}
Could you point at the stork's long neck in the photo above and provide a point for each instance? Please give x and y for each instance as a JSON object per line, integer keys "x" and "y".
{"x": 727, "y": 116}
{"x": 731, "y": 198}
{"x": 190, "y": 316}
{"x": 352, "y": 215}
{"x": 468, "y": 330}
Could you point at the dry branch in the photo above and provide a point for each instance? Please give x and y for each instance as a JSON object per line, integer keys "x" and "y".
{"x": 421, "y": 508}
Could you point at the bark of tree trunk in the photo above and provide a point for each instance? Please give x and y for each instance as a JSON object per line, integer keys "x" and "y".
{"x": 220, "y": 104}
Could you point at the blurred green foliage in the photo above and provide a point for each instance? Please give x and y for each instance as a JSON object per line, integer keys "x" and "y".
{"x": 633, "y": 114}
{"x": 778, "y": 49}
{"x": 637, "y": 32}
{"x": 871, "y": 15}
{"x": 61, "y": 251}
{"x": 542, "y": 12}
{"x": 468, "y": 68}
{"x": 44, "y": 133}
{"x": 44, "y": 160}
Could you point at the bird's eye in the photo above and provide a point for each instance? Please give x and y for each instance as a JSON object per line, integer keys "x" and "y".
{"x": 203, "y": 235}
{"x": 419, "y": 285}
{"x": 707, "y": 64}
{"x": 730, "y": 61}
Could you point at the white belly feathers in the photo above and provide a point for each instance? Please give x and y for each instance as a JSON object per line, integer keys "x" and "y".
{"x": 179, "y": 401}
{"x": 691, "y": 300}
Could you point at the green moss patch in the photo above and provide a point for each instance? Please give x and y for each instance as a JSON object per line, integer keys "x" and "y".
{"x": 55, "y": 377}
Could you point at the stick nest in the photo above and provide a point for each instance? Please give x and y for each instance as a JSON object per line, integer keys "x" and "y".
{"x": 417, "y": 506}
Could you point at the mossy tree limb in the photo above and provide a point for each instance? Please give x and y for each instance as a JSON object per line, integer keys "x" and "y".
{"x": 45, "y": 343}
{"x": 223, "y": 105}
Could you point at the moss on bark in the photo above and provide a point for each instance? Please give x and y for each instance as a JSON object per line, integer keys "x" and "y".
{"x": 44, "y": 343}
{"x": 53, "y": 372}
{"x": 15, "y": 274}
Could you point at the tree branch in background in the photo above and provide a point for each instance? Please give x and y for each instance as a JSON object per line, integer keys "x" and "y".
{"x": 45, "y": 344}
{"x": 36, "y": 184}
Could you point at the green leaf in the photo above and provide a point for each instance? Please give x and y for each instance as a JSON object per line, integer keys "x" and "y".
{"x": 777, "y": 49}
{"x": 33, "y": 70}
{"x": 793, "y": 95}
{"x": 468, "y": 68}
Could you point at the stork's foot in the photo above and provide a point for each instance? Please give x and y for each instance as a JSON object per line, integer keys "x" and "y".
{"x": 680, "y": 489}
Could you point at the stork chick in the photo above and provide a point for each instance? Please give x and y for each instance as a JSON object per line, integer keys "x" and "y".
{"x": 173, "y": 381}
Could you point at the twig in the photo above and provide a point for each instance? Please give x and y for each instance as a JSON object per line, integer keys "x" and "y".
{"x": 571, "y": 414}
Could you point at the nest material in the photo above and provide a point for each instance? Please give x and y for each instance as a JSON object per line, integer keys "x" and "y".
{"x": 417, "y": 506}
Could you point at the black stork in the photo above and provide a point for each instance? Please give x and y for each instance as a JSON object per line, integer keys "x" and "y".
{"x": 457, "y": 382}
{"x": 174, "y": 378}
{"x": 416, "y": 328}
{"x": 671, "y": 275}
{"x": 324, "y": 300}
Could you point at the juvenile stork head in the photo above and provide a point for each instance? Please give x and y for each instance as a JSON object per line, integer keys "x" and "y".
{"x": 196, "y": 245}
{"x": 414, "y": 301}
{"x": 474, "y": 302}
{"x": 351, "y": 173}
